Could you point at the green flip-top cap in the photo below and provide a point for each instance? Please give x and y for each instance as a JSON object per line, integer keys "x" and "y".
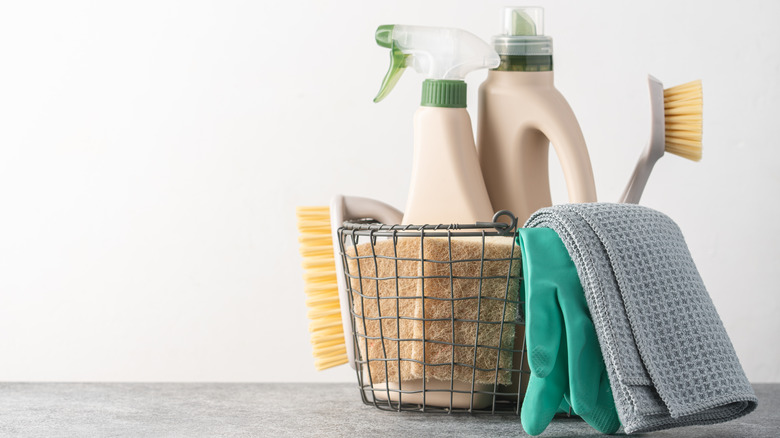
{"x": 522, "y": 44}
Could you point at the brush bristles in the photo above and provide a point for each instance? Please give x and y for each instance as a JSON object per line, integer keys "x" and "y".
{"x": 321, "y": 287}
{"x": 683, "y": 120}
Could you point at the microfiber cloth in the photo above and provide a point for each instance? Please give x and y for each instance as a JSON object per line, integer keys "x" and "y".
{"x": 669, "y": 359}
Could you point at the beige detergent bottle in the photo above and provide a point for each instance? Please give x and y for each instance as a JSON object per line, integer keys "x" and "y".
{"x": 520, "y": 114}
{"x": 447, "y": 185}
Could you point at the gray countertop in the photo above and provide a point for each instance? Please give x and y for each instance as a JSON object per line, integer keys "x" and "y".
{"x": 281, "y": 409}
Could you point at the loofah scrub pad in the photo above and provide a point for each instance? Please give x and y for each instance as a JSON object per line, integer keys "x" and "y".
{"x": 426, "y": 319}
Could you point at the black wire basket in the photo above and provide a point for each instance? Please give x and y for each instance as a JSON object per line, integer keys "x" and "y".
{"x": 436, "y": 315}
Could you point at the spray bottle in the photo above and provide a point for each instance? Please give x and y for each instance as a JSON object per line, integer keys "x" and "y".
{"x": 447, "y": 184}
{"x": 520, "y": 114}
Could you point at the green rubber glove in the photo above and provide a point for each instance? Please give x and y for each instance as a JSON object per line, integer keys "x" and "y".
{"x": 563, "y": 350}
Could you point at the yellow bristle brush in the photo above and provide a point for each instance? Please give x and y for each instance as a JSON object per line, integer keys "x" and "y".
{"x": 324, "y": 282}
{"x": 320, "y": 286}
{"x": 677, "y": 128}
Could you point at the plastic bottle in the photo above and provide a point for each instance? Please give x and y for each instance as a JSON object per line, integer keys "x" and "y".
{"x": 520, "y": 114}
{"x": 447, "y": 185}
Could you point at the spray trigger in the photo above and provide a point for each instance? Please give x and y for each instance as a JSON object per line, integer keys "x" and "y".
{"x": 384, "y": 38}
{"x": 438, "y": 53}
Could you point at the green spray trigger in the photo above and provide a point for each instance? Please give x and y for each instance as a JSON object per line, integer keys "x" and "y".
{"x": 384, "y": 38}
{"x": 442, "y": 55}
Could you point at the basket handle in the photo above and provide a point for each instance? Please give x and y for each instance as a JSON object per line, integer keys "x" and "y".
{"x": 503, "y": 228}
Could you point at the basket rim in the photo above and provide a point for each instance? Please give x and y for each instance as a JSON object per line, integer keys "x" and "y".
{"x": 371, "y": 227}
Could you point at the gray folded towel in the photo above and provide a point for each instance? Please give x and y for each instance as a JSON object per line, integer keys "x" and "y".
{"x": 669, "y": 360}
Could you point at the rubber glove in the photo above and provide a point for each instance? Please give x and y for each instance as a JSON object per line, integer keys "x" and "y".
{"x": 563, "y": 350}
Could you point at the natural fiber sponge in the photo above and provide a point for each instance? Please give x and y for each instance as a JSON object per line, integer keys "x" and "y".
{"x": 435, "y": 312}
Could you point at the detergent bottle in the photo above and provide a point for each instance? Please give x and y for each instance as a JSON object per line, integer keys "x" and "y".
{"x": 520, "y": 114}
{"x": 447, "y": 185}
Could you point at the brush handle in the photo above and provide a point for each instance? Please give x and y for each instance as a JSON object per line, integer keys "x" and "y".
{"x": 655, "y": 146}
{"x": 355, "y": 207}
{"x": 638, "y": 181}
{"x": 345, "y": 208}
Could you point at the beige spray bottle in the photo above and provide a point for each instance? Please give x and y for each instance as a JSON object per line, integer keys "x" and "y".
{"x": 447, "y": 185}
{"x": 520, "y": 114}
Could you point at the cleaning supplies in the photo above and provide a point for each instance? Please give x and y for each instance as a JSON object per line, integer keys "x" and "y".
{"x": 564, "y": 354}
{"x": 520, "y": 114}
{"x": 325, "y": 287}
{"x": 430, "y": 317}
{"x": 447, "y": 185}
{"x": 676, "y": 127}
{"x": 669, "y": 359}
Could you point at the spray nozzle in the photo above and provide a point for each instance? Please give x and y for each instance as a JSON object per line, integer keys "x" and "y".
{"x": 384, "y": 38}
{"x": 438, "y": 53}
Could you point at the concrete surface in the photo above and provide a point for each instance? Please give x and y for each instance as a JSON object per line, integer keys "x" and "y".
{"x": 279, "y": 409}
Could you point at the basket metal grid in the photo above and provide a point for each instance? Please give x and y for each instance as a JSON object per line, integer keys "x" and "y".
{"x": 391, "y": 281}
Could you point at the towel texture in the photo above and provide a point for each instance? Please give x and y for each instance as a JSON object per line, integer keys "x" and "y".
{"x": 669, "y": 359}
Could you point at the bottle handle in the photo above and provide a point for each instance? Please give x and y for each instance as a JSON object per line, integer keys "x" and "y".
{"x": 563, "y": 131}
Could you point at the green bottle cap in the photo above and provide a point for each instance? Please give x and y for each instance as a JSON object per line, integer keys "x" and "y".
{"x": 522, "y": 44}
{"x": 444, "y": 93}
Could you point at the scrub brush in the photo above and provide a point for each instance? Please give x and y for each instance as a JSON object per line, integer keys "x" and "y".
{"x": 322, "y": 296}
{"x": 677, "y": 120}
{"x": 325, "y": 285}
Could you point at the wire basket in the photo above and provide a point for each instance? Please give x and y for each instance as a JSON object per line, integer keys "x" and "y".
{"x": 436, "y": 315}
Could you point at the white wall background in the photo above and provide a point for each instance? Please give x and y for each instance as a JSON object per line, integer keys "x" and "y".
{"x": 152, "y": 154}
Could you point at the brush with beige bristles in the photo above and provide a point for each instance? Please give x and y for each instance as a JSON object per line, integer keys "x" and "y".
{"x": 677, "y": 128}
